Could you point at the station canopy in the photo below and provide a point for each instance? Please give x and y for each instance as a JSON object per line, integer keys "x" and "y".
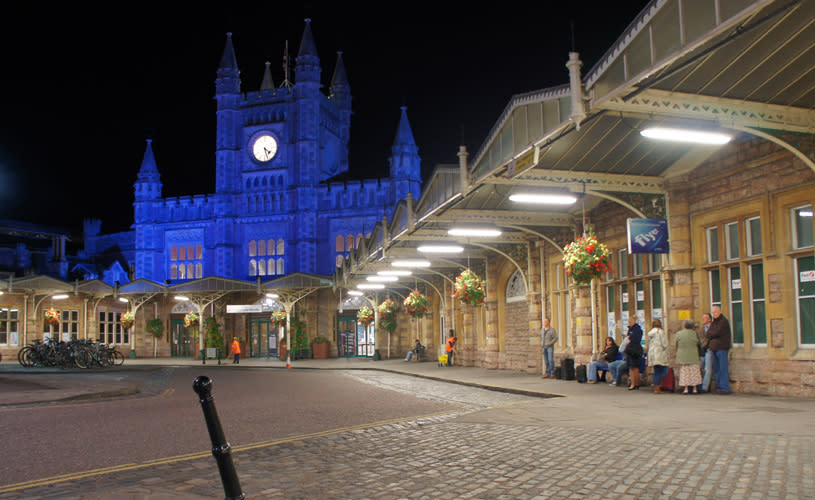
{"x": 743, "y": 68}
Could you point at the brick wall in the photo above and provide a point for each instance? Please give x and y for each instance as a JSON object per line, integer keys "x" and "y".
{"x": 520, "y": 353}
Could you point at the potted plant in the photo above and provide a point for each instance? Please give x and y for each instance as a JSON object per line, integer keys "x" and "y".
{"x": 585, "y": 259}
{"x": 156, "y": 329}
{"x": 127, "y": 320}
{"x": 52, "y": 316}
{"x": 214, "y": 337}
{"x": 387, "y": 315}
{"x": 320, "y": 348}
{"x": 299, "y": 340}
{"x": 470, "y": 288}
{"x": 415, "y": 304}
{"x": 365, "y": 315}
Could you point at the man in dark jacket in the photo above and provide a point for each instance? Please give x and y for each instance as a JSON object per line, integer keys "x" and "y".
{"x": 718, "y": 341}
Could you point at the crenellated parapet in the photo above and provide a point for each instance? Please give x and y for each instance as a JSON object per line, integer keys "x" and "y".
{"x": 353, "y": 194}
{"x": 186, "y": 208}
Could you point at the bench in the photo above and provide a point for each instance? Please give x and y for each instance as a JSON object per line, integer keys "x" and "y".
{"x": 601, "y": 374}
{"x": 418, "y": 352}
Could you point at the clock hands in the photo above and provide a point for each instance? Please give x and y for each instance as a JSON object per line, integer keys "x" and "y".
{"x": 268, "y": 153}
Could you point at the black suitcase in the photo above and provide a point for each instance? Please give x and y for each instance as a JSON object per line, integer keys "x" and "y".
{"x": 559, "y": 372}
{"x": 580, "y": 374}
{"x": 568, "y": 369}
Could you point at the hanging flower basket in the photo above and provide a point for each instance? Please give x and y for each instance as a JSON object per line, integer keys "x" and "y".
{"x": 470, "y": 288}
{"x": 387, "y": 315}
{"x": 127, "y": 320}
{"x": 279, "y": 318}
{"x": 365, "y": 315}
{"x": 52, "y": 316}
{"x": 416, "y": 304}
{"x": 191, "y": 319}
{"x": 585, "y": 259}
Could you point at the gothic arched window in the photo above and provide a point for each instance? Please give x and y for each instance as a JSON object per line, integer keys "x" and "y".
{"x": 281, "y": 267}
{"x": 261, "y": 267}
{"x": 262, "y": 248}
{"x": 349, "y": 242}
{"x": 271, "y": 267}
{"x": 340, "y": 243}
{"x": 182, "y": 253}
{"x": 339, "y": 260}
{"x": 253, "y": 248}
{"x": 271, "y": 247}
{"x": 199, "y": 252}
{"x": 281, "y": 248}
{"x": 253, "y": 267}
{"x": 199, "y": 270}
{"x": 173, "y": 253}
{"x": 174, "y": 272}
{"x": 516, "y": 288}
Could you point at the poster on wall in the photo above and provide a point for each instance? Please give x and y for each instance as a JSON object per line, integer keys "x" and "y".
{"x": 14, "y": 338}
{"x": 647, "y": 235}
{"x": 612, "y": 326}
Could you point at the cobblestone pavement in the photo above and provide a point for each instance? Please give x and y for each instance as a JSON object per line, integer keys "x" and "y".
{"x": 490, "y": 445}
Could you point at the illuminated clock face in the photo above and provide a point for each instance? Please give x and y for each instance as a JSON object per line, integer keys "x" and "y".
{"x": 264, "y": 148}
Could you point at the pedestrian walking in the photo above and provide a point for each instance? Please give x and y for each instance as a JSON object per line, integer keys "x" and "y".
{"x": 236, "y": 351}
{"x": 658, "y": 353}
{"x": 707, "y": 357}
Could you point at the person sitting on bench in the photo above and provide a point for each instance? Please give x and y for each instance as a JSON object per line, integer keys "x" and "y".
{"x": 608, "y": 355}
{"x": 417, "y": 350}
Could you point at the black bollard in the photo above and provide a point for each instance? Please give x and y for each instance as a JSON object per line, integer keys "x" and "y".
{"x": 220, "y": 447}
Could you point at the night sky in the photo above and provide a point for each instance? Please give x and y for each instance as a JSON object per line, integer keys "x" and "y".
{"x": 84, "y": 86}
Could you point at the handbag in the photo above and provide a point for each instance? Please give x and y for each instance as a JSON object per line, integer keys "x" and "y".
{"x": 701, "y": 349}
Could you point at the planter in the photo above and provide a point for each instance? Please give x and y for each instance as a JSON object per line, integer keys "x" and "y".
{"x": 321, "y": 350}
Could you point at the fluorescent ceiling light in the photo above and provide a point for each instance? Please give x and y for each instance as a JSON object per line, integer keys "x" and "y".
{"x": 181, "y": 297}
{"x": 122, "y": 299}
{"x": 355, "y": 293}
{"x": 273, "y": 295}
{"x": 411, "y": 263}
{"x": 395, "y": 272}
{"x": 371, "y": 286}
{"x": 686, "y": 135}
{"x": 59, "y": 297}
{"x": 805, "y": 213}
{"x": 474, "y": 231}
{"x": 440, "y": 249}
{"x": 543, "y": 198}
{"x": 382, "y": 278}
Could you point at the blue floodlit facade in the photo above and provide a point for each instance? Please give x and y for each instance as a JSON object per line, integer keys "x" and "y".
{"x": 277, "y": 208}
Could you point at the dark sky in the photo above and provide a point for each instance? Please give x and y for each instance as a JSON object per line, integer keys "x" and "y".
{"x": 84, "y": 86}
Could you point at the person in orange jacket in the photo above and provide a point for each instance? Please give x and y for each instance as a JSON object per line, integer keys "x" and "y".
{"x": 236, "y": 351}
{"x": 450, "y": 347}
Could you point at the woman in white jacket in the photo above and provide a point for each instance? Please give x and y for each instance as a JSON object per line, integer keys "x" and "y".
{"x": 658, "y": 353}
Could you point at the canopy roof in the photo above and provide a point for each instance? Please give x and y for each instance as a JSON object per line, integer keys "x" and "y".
{"x": 742, "y": 67}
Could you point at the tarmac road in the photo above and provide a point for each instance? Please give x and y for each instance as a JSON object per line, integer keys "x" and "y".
{"x": 254, "y": 405}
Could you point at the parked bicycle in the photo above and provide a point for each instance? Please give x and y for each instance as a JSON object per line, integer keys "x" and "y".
{"x": 73, "y": 353}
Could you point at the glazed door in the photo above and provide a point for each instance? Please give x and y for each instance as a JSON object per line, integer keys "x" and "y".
{"x": 262, "y": 338}
{"x": 180, "y": 339}
{"x": 347, "y": 331}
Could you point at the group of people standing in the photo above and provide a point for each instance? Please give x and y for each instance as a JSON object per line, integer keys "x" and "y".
{"x": 701, "y": 358}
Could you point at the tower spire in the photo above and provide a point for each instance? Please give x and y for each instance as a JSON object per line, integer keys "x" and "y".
{"x": 267, "y": 83}
{"x": 228, "y": 80}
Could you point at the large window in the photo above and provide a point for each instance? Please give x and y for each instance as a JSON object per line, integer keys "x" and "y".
{"x": 66, "y": 329}
{"x": 736, "y": 302}
{"x": 9, "y": 326}
{"x": 712, "y": 241}
{"x": 267, "y": 257}
{"x": 731, "y": 233}
{"x": 186, "y": 262}
{"x": 802, "y": 227}
{"x": 758, "y": 306}
{"x": 805, "y": 297}
{"x": 110, "y": 328}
